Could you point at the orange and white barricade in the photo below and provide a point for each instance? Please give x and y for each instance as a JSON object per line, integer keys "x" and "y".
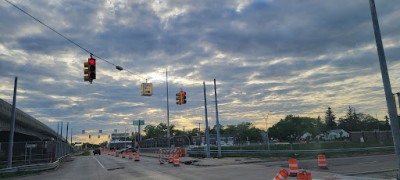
{"x": 167, "y": 155}
{"x": 281, "y": 175}
{"x": 293, "y": 167}
{"x": 322, "y": 162}
{"x": 304, "y": 175}
{"x": 137, "y": 157}
{"x": 176, "y": 161}
{"x": 130, "y": 155}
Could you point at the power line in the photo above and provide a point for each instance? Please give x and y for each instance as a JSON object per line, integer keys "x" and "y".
{"x": 71, "y": 41}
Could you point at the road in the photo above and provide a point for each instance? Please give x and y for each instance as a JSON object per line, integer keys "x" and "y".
{"x": 113, "y": 168}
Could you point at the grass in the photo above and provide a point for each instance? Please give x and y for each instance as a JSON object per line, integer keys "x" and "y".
{"x": 309, "y": 146}
{"x": 306, "y": 146}
{"x": 87, "y": 153}
{"x": 15, "y": 174}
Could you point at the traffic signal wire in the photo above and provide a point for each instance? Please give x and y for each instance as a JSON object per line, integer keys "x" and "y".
{"x": 69, "y": 40}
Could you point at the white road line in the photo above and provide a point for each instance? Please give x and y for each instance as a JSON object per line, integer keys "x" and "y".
{"x": 98, "y": 162}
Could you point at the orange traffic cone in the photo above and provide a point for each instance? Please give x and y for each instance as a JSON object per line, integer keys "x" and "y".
{"x": 176, "y": 161}
{"x": 137, "y": 157}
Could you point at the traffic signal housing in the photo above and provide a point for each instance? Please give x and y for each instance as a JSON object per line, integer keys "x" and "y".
{"x": 179, "y": 98}
{"x": 92, "y": 68}
{"x": 89, "y": 70}
{"x": 86, "y": 71}
{"x": 183, "y": 97}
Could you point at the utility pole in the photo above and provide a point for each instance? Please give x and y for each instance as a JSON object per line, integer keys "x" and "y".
{"x": 266, "y": 131}
{"x": 166, "y": 78}
{"x": 216, "y": 114}
{"x": 207, "y": 130}
{"x": 12, "y": 126}
{"x": 57, "y": 148}
{"x": 66, "y": 134}
{"x": 386, "y": 84}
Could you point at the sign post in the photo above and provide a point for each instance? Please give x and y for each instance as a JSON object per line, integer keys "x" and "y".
{"x": 138, "y": 123}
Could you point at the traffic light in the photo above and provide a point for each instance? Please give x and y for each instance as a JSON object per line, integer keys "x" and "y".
{"x": 183, "y": 97}
{"x": 92, "y": 68}
{"x": 89, "y": 69}
{"x": 179, "y": 98}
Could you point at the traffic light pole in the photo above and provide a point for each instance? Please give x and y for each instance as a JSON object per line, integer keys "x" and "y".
{"x": 12, "y": 126}
{"x": 386, "y": 84}
{"x": 216, "y": 114}
{"x": 166, "y": 77}
{"x": 207, "y": 129}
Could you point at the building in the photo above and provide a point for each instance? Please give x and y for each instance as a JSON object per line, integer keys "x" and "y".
{"x": 336, "y": 134}
{"x": 120, "y": 141}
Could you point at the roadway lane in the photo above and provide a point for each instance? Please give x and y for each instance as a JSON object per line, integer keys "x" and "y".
{"x": 114, "y": 168}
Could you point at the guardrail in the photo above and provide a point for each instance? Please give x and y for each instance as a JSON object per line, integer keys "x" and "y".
{"x": 35, "y": 167}
{"x": 384, "y": 148}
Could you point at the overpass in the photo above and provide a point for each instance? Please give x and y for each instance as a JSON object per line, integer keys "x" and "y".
{"x": 27, "y": 128}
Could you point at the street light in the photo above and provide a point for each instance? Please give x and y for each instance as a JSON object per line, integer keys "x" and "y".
{"x": 266, "y": 131}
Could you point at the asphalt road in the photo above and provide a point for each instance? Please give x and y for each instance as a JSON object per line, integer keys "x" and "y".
{"x": 115, "y": 168}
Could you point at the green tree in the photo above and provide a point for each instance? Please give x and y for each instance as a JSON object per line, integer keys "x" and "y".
{"x": 294, "y": 126}
{"x": 214, "y": 129}
{"x": 330, "y": 119}
{"x": 351, "y": 122}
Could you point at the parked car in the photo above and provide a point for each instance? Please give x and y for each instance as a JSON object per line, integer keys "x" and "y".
{"x": 96, "y": 151}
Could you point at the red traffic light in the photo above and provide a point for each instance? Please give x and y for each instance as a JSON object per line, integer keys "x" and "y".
{"x": 183, "y": 93}
{"x": 92, "y": 61}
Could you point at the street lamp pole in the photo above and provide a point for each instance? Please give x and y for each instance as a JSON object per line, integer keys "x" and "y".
{"x": 266, "y": 131}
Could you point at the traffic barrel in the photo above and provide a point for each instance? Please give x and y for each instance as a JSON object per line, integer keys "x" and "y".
{"x": 116, "y": 153}
{"x": 130, "y": 155}
{"x": 304, "y": 175}
{"x": 293, "y": 167}
{"x": 171, "y": 159}
{"x": 137, "y": 157}
{"x": 282, "y": 174}
{"x": 109, "y": 152}
{"x": 322, "y": 162}
{"x": 176, "y": 161}
{"x": 123, "y": 154}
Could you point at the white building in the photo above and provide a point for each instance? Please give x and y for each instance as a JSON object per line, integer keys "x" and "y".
{"x": 335, "y": 134}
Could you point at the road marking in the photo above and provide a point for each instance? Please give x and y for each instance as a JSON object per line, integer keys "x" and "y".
{"x": 98, "y": 162}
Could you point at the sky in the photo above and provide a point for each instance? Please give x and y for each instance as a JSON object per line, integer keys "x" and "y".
{"x": 269, "y": 58}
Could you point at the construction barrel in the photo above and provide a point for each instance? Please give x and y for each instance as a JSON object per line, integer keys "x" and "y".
{"x": 282, "y": 174}
{"x": 322, "y": 162}
{"x": 304, "y": 175}
{"x": 176, "y": 161}
{"x": 293, "y": 167}
{"x": 137, "y": 157}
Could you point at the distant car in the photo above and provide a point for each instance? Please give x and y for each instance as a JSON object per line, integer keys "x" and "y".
{"x": 96, "y": 151}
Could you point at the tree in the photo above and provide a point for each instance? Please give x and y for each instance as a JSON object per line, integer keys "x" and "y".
{"x": 294, "y": 126}
{"x": 330, "y": 119}
{"x": 214, "y": 129}
{"x": 351, "y": 122}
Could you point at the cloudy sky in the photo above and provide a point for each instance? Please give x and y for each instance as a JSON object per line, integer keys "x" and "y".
{"x": 275, "y": 57}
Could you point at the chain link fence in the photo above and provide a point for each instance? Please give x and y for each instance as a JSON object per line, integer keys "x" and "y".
{"x": 33, "y": 152}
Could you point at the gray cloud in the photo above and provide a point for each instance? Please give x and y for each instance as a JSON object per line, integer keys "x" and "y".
{"x": 287, "y": 57}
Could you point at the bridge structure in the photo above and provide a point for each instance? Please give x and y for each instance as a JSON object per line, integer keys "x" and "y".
{"x": 27, "y": 128}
